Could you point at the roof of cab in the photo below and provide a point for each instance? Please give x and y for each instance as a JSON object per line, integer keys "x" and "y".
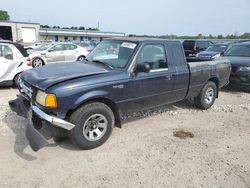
{"x": 141, "y": 39}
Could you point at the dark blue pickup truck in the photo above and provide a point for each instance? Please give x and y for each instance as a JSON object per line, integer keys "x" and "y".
{"x": 87, "y": 99}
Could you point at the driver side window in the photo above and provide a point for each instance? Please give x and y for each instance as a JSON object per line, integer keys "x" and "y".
{"x": 154, "y": 56}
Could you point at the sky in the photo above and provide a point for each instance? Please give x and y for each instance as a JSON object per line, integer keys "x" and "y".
{"x": 151, "y": 17}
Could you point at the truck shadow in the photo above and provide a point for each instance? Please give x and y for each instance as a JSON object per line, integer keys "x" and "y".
{"x": 18, "y": 126}
{"x": 170, "y": 109}
{"x": 232, "y": 89}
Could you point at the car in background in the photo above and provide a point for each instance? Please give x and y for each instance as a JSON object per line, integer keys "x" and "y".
{"x": 37, "y": 44}
{"x": 57, "y": 53}
{"x": 192, "y": 47}
{"x": 13, "y": 60}
{"x": 213, "y": 51}
{"x": 89, "y": 46}
{"x": 239, "y": 56}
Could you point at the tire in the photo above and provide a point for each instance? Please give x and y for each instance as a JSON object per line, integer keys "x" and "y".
{"x": 81, "y": 58}
{"x": 17, "y": 80}
{"x": 94, "y": 124}
{"x": 207, "y": 96}
{"x": 37, "y": 62}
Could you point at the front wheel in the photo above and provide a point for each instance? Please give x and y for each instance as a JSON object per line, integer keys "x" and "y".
{"x": 207, "y": 96}
{"x": 94, "y": 124}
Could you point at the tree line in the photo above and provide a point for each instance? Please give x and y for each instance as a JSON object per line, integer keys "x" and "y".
{"x": 73, "y": 27}
{"x": 199, "y": 36}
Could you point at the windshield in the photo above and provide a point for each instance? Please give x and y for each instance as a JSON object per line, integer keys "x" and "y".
{"x": 217, "y": 48}
{"x": 42, "y": 47}
{"x": 238, "y": 50}
{"x": 114, "y": 53}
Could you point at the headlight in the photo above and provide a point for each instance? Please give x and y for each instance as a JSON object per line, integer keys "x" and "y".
{"x": 46, "y": 99}
{"x": 244, "y": 69}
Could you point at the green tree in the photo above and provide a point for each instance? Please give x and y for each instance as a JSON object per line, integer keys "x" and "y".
{"x": 220, "y": 37}
{"x": 4, "y": 15}
{"x": 81, "y": 28}
{"x": 44, "y": 26}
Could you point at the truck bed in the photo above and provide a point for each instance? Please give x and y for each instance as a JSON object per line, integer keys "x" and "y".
{"x": 203, "y": 70}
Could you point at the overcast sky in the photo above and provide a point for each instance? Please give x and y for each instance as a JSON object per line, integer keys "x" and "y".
{"x": 155, "y": 17}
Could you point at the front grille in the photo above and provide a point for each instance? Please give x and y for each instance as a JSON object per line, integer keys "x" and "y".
{"x": 26, "y": 89}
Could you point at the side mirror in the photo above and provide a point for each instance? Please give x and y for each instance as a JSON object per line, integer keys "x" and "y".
{"x": 142, "y": 67}
{"x": 222, "y": 53}
{"x": 51, "y": 50}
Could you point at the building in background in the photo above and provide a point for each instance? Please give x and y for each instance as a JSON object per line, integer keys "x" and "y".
{"x": 75, "y": 35}
{"x": 19, "y": 31}
{"x": 28, "y": 33}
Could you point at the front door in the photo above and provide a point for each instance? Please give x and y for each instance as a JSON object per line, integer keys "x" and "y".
{"x": 153, "y": 88}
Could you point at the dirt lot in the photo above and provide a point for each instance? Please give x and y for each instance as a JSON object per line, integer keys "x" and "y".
{"x": 144, "y": 153}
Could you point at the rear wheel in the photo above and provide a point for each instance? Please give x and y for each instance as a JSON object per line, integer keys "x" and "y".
{"x": 37, "y": 62}
{"x": 81, "y": 58}
{"x": 94, "y": 123}
{"x": 207, "y": 96}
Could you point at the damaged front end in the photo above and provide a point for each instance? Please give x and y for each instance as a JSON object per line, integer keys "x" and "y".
{"x": 37, "y": 118}
{"x": 22, "y": 107}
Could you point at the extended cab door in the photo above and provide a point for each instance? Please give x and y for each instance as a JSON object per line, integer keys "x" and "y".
{"x": 6, "y": 61}
{"x": 153, "y": 88}
{"x": 181, "y": 72}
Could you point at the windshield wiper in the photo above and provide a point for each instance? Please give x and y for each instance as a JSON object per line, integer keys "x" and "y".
{"x": 103, "y": 63}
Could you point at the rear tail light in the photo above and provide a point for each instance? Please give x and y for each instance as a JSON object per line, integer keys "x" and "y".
{"x": 89, "y": 50}
{"x": 29, "y": 62}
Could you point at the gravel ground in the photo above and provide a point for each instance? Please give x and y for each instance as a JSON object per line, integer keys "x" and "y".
{"x": 144, "y": 153}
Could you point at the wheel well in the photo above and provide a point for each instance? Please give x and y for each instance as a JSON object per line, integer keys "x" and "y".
{"x": 216, "y": 81}
{"x": 106, "y": 101}
{"x": 81, "y": 56}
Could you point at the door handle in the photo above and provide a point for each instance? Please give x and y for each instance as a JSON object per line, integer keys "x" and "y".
{"x": 168, "y": 77}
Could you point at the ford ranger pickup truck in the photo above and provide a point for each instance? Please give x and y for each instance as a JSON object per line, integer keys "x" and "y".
{"x": 122, "y": 75}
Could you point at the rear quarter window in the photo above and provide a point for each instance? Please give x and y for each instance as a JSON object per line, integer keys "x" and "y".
{"x": 178, "y": 54}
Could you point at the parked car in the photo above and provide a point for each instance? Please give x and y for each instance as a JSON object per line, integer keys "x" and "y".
{"x": 88, "y": 99}
{"x": 87, "y": 45}
{"x": 13, "y": 60}
{"x": 57, "y": 53}
{"x": 37, "y": 44}
{"x": 213, "y": 51}
{"x": 239, "y": 56}
{"x": 192, "y": 47}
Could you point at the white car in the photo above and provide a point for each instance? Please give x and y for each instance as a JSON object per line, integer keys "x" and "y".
{"x": 13, "y": 60}
{"x": 57, "y": 53}
{"x": 37, "y": 44}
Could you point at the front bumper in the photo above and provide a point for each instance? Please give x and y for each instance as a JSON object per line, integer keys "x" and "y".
{"x": 35, "y": 115}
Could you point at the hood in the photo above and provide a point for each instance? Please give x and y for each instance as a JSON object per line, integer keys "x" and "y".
{"x": 239, "y": 61}
{"x": 49, "y": 75}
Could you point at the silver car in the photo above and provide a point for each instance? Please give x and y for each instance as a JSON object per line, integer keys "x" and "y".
{"x": 57, "y": 53}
